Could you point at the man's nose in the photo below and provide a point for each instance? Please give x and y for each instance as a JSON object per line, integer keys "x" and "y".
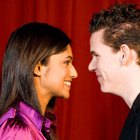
{"x": 91, "y": 66}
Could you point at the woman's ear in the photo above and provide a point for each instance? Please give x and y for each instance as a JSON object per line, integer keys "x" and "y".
{"x": 125, "y": 54}
{"x": 37, "y": 70}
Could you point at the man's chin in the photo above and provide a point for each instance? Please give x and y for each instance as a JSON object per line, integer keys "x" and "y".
{"x": 104, "y": 90}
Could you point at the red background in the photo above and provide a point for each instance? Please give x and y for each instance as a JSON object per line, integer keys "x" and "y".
{"x": 89, "y": 114}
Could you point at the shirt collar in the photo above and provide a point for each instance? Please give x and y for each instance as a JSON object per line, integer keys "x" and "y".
{"x": 136, "y": 104}
{"x": 34, "y": 115}
{"x": 23, "y": 109}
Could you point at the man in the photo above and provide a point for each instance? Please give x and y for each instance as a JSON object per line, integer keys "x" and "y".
{"x": 115, "y": 50}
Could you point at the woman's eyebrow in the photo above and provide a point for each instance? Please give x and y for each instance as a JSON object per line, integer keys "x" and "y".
{"x": 70, "y": 57}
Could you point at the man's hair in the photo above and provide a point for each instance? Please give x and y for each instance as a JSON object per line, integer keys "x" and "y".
{"x": 121, "y": 24}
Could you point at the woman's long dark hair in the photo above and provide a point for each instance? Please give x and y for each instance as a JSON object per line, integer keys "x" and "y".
{"x": 32, "y": 43}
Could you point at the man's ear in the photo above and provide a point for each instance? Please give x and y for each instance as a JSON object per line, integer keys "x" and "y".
{"x": 125, "y": 55}
{"x": 37, "y": 70}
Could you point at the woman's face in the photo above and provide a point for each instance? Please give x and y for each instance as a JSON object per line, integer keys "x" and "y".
{"x": 56, "y": 78}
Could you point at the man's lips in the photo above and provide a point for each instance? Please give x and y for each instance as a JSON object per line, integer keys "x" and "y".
{"x": 98, "y": 74}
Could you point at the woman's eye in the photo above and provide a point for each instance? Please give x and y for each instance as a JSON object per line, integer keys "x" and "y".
{"x": 67, "y": 62}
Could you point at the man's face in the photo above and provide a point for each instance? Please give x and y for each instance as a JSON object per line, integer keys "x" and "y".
{"x": 105, "y": 63}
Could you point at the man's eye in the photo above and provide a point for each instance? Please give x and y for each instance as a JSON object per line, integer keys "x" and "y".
{"x": 96, "y": 55}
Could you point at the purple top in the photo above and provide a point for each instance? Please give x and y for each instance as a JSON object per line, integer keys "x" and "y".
{"x": 23, "y": 123}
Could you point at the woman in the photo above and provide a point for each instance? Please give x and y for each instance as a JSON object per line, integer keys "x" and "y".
{"x": 37, "y": 67}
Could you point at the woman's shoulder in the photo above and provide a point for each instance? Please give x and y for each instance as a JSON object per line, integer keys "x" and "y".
{"x": 14, "y": 126}
{"x": 15, "y": 129}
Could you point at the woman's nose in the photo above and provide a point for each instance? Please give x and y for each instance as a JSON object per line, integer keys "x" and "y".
{"x": 74, "y": 73}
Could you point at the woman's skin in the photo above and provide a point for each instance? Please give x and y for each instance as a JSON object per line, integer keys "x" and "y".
{"x": 55, "y": 78}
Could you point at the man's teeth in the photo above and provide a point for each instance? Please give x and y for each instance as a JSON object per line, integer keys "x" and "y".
{"x": 68, "y": 83}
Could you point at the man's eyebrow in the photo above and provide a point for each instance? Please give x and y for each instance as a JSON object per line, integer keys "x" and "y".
{"x": 93, "y": 53}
